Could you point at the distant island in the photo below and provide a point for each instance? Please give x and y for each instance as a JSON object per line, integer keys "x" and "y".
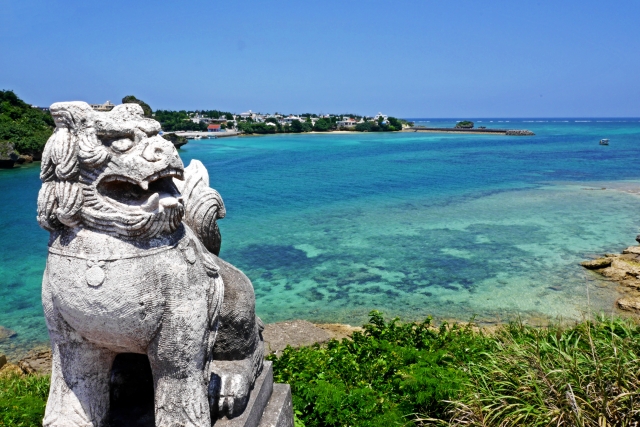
{"x": 465, "y": 124}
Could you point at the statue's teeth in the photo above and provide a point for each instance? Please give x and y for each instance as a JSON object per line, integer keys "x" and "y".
{"x": 144, "y": 185}
{"x": 152, "y": 204}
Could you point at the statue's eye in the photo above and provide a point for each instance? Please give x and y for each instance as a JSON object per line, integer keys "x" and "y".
{"x": 122, "y": 145}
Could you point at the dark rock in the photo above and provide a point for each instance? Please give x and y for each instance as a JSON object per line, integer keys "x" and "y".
{"x": 596, "y": 263}
{"x": 519, "y": 132}
{"x": 26, "y": 368}
{"x": 3, "y": 360}
{"x": 6, "y": 333}
{"x": 25, "y": 158}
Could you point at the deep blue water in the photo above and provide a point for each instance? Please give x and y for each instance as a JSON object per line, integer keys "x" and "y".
{"x": 331, "y": 226}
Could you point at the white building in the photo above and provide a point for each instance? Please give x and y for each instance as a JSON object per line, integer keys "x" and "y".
{"x": 346, "y": 122}
{"x": 107, "y": 106}
{"x": 377, "y": 116}
{"x": 290, "y": 119}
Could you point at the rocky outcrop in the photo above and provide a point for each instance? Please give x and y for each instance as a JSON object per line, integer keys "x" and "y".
{"x": 6, "y": 333}
{"x": 631, "y": 304}
{"x": 299, "y": 333}
{"x": 520, "y": 132}
{"x": 24, "y": 158}
{"x": 597, "y": 263}
{"x": 37, "y": 361}
{"x": 625, "y": 270}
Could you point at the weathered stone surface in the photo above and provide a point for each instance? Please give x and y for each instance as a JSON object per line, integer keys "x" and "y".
{"x": 26, "y": 158}
{"x": 339, "y": 330}
{"x": 597, "y": 263}
{"x": 37, "y": 361}
{"x": 298, "y": 333}
{"x": 279, "y": 411}
{"x": 6, "y": 333}
{"x": 629, "y": 304}
{"x": 295, "y": 333}
{"x": 260, "y": 396}
{"x": 132, "y": 268}
{"x": 632, "y": 250}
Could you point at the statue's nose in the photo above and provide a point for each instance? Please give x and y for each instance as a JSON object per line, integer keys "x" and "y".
{"x": 158, "y": 149}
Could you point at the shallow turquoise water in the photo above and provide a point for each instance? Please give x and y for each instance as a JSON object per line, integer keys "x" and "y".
{"x": 329, "y": 227}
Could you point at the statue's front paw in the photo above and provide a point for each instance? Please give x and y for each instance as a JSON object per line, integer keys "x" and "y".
{"x": 230, "y": 388}
{"x": 233, "y": 395}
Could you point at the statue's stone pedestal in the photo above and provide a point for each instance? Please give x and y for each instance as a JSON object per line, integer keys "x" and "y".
{"x": 270, "y": 404}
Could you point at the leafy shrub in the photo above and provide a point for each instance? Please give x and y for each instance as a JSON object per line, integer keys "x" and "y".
{"x": 260, "y": 128}
{"x": 380, "y": 377}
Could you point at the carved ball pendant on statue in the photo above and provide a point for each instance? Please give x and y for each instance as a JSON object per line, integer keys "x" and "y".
{"x": 95, "y": 274}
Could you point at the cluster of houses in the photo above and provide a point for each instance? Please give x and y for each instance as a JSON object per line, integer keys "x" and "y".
{"x": 215, "y": 124}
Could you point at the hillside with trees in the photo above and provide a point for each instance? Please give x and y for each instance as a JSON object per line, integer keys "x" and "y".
{"x": 24, "y": 127}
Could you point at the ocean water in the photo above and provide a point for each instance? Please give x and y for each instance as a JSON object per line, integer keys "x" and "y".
{"x": 329, "y": 227}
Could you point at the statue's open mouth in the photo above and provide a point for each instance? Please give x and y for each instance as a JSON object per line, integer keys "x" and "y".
{"x": 152, "y": 194}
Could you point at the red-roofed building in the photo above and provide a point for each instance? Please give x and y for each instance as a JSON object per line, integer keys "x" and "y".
{"x": 213, "y": 128}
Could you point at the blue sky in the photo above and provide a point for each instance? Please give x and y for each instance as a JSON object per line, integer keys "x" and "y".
{"x": 417, "y": 58}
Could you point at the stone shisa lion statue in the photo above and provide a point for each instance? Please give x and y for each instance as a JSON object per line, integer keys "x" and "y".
{"x": 133, "y": 268}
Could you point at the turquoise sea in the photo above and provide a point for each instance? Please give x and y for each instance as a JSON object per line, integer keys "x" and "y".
{"x": 329, "y": 227}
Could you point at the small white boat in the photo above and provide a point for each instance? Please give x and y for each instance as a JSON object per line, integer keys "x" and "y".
{"x": 604, "y": 142}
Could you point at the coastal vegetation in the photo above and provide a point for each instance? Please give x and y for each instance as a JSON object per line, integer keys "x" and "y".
{"x": 24, "y": 127}
{"x": 130, "y": 99}
{"x": 397, "y": 373}
{"x": 465, "y": 124}
{"x": 175, "y": 121}
{"x": 394, "y": 373}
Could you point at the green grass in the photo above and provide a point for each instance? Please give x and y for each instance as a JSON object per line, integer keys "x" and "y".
{"x": 22, "y": 400}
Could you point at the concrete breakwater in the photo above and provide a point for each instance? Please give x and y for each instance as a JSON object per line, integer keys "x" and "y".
{"x": 510, "y": 132}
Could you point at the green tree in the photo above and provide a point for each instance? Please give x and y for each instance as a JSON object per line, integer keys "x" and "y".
{"x": 322, "y": 125}
{"x": 130, "y": 99}
{"x": 395, "y": 124}
{"x": 296, "y": 126}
